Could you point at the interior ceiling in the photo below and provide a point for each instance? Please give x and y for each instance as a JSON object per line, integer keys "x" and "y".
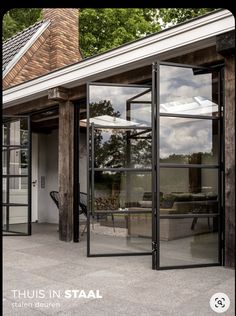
{"x": 44, "y": 121}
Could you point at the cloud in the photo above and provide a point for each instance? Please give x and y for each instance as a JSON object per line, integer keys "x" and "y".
{"x": 178, "y": 82}
{"x": 118, "y": 97}
{"x": 185, "y": 136}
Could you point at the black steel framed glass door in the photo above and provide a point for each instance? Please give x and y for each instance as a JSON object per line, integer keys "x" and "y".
{"x": 16, "y": 179}
{"x": 119, "y": 159}
{"x": 187, "y": 219}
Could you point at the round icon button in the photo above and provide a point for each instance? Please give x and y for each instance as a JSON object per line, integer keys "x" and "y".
{"x": 219, "y": 302}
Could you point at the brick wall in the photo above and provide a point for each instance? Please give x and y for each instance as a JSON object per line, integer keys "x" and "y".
{"x": 56, "y": 47}
{"x": 34, "y": 63}
{"x": 64, "y": 36}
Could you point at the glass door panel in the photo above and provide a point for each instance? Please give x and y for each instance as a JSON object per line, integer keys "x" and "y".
{"x": 122, "y": 212}
{"x": 188, "y": 214}
{"x": 188, "y": 90}
{"x": 188, "y": 241}
{"x": 187, "y": 225}
{"x": 119, "y": 131}
{"x": 16, "y": 189}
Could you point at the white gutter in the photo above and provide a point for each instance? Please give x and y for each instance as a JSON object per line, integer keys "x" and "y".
{"x": 24, "y": 49}
{"x": 191, "y": 33}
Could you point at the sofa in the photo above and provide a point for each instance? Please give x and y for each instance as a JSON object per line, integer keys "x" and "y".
{"x": 177, "y": 203}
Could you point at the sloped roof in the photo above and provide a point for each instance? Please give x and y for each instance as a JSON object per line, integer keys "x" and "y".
{"x": 184, "y": 38}
{"x": 15, "y": 45}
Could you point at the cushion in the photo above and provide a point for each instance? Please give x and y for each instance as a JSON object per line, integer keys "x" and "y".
{"x": 147, "y": 196}
{"x": 145, "y": 203}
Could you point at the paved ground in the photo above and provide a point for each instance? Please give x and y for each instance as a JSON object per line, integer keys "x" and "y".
{"x": 37, "y": 265}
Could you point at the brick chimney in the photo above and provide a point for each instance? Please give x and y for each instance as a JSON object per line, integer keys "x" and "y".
{"x": 64, "y": 36}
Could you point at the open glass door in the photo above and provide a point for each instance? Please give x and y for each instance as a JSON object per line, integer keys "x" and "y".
{"x": 189, "y": 204}
{"x": 119, "y": 138}
{"x": 16, "y": 170}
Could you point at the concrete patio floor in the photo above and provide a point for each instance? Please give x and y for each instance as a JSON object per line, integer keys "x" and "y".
{"x": 39, "y": 264}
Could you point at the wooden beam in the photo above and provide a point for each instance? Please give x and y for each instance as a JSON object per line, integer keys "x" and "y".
{"x": 66, "y": 169}
{"x": 229, "y": 120}
{"x": 202, "y": 57}
{"x": 133, "y": 76}
{"x": 29, "y": 107}
{"x": 58, "y": 94}
{"x": 43, "y": 119}
{"x": 225, "y": 43}
{"x": 54, "y": 96}
{"x": 77, "y": 93}
{"x": 44, "y": 126}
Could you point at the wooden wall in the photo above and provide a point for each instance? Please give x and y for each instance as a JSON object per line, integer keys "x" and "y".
{"x": 229, "y": 121}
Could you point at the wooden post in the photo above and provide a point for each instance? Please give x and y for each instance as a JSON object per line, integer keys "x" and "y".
{"x": 229, "y": 120}
{"x": 225, "y": 46}
{"x": 65, "y": 162}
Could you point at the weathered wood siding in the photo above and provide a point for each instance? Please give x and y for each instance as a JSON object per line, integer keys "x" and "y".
{"x": 229, "y": 121}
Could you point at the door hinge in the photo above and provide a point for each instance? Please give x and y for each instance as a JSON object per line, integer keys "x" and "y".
{"x": 154, "y": 66}
{"x": 154, "y": 246}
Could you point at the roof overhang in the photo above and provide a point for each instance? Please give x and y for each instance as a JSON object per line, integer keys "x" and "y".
{"x": 193, "y": 35}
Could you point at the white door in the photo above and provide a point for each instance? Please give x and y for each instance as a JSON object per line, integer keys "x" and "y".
{"x": 34, "y": 177}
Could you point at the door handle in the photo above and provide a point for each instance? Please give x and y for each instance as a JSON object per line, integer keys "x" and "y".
{"x": 34, "y": 183}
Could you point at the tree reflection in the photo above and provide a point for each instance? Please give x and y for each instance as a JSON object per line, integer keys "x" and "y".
{"x": 122, "y": 148}
{"x": 103, "y": 107}
{"x": 192, "y": 158}
{"x": 117, "y": 148}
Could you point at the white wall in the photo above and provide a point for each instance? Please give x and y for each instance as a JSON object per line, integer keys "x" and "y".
{"x": 48, "y": 168}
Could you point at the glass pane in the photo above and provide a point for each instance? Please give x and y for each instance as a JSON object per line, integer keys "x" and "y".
{"x": 18, "y": 190}
{"x": 15, "y": 162}
{"x": 188, "y": 190}
{"x": 122, "y": 190}
{"x": 189, "y": 141}
{"x": 19, "y": 132}
{"x": 4, "y": 161}
{"x": 4, "y": 190}
{"x": 121, "y": 232}
{"x": 181, "y": 244}
{"x": 18, "y": 220}
{"x": 119, "y": 106}
{"x": 188, "y": 91}
{"x": 18, "y": 161}
{"x": 122, "y": 148}
{"x": 4, "y": 218}
{"x": 122, "y": 217}
{"x": 4, "y": 133}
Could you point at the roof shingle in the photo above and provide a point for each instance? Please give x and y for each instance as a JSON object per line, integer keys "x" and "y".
{"x": 13, "y": 45}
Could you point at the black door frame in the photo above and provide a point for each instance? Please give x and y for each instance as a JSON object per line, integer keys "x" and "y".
{"x": 157, "y": 165}
{"x": 91, "y": 169}
{"x": 8, "y": 119}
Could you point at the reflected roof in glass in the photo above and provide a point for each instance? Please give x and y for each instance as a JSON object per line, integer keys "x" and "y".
{"x": 107, "y": 120}
{"x": 195, "y": 105}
